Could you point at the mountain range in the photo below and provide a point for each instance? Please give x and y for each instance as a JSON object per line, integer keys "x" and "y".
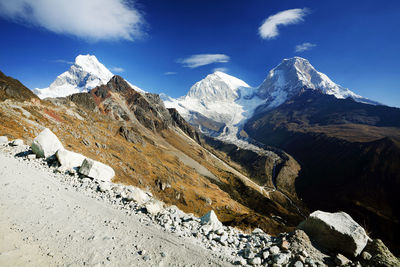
{"x": 260, "y": 156}
{"x": 220, "y": 104}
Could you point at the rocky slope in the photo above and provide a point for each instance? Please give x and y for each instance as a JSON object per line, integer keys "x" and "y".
{"x": 11, "y": 88}
{"x": 348, "y": 151}
{"x": 152, "y": 147}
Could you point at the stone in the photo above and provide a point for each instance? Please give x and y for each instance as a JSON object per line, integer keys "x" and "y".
{"x": 96, "y": 170}
{"x": 46, "y": 144}
{"x": 335, "y": 231}
{"x": 265, "y": 255}
{"x": 154, "y": 207}
{"x": 137, "y": 195}
{"x": 69, "y": 159}
{"x": 285, "y": 245}
{"x": 298, "y": 264}
{"x": 341, "y": 260}
{"x": 3, "y": 140}
{"x": 104, "y": 186}
{"x": 211, "y": 219}
{"x": 255, "y": 261}
{"x": 366, "y": 256}
{"x": 248, "y": 253}
{"x": 281, "y": 258}
{"x": 31, "y": 156}
{"x": 240, "y": 261}
{"x": 381, "y": 255}
{"x": 17, "y": 142}
{"x": 274, "y": 250}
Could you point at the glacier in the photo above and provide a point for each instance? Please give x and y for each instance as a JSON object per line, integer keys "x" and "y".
{"x": 220, "y": 104}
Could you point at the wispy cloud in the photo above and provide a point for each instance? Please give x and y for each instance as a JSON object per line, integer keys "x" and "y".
{"x": 198, "y": 60}
{"x": 269, "y": 28}
{"x": 117, "y": 69}
{"x": 63, "y": 61}
{"x": 221, "y": 69}
{"x": 170, "y": 73}
{"x": 304, "y": 47}
{"x": 90, "y": 19}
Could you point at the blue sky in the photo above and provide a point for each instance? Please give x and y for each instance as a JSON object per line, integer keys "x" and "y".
{"x": 356, "y": 43}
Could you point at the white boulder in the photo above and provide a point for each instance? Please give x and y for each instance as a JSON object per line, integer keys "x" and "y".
{"x": 46, "y": 144}
{"x": 96, "y": 170}
{"x": 69, "y": 159}
{"x": 154, "y": 206}
{"x": 3, "y": 139}
{"x": 335, "y": 231}
{"x": 137, "y": 195}
{"x": 211, "y": 219}
{"x": 17, "y": 142}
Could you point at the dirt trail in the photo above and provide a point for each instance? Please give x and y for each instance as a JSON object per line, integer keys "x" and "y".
{"x": 46, "y": 223}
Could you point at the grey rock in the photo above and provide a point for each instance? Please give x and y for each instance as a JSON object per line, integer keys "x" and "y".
{"x": 46, "y": 144}
{"x": 3, "y": 140}
{"x": 69, "y": 159}
{"x": 274, "y": 250}
{"x": 341, "y": 260}
{"x": 366, "y": 256}
{"x": 17, "y": 142}
{"x": 96, "y": 170}
{"x": 255, "y": 261}
{"x": 336, "y": 232}
{"x": 281, "y": 258}
{"x": 298, "y": 264}
{"x": 211, "y": 219}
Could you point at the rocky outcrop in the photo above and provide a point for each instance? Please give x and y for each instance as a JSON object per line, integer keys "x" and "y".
{"x": 180, "y": 122}
{"x": 69, "y": 159}
{"x": 131, "y": 135}
{"x": 46, "y": 144}
{"x": 335, "y": 231}
{"x": 378, "y": 255}
{"x": 96, "y": 170}
{"x": 14, "y": 89}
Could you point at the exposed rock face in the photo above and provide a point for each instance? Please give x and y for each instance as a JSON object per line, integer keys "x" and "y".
{"x": 381, "y": 256}
{"x": 179, "y": 121}
{"x": 12, "y": 88}
{"x": 46, "y": 144}
{"x": 131, "y": 135}
{"x": 335, "y": 231}
{"x": 96, "y": 170}
{"x": 69, "y": 159}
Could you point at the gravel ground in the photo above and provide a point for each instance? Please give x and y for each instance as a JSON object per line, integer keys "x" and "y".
{"x": 46, "y": 221}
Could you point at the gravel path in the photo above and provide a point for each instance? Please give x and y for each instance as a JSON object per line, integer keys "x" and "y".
{"x": 44, "y": 222}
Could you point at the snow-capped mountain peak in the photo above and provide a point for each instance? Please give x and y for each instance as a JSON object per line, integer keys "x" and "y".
{"x": 217, "y": 86}
{"x": 291, "y": 75}
{"x": 86, "y": 73}
{"x": 90, "y": 64}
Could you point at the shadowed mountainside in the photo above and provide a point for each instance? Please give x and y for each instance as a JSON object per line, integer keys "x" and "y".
{"x": 349, "y": 153}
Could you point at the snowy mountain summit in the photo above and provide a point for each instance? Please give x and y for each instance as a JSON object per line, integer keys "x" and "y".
{"x": 86, "y": 73}
{"x": 217, "y": 105}
{"x": 291, "y": 75}
{"x": 220, "y": 104}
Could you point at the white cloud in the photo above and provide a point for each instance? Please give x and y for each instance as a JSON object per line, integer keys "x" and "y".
{"x": 304, "y": 47}
{"x": 89, "y": 19}
{"x": 117, "y": 69}
{"x": 198, "y": 60}
{"x": 269, "y": 28}
{"x": 221, "y": 69}
{"x": 170, "y": 73}
{"x": 64, "y": 61}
